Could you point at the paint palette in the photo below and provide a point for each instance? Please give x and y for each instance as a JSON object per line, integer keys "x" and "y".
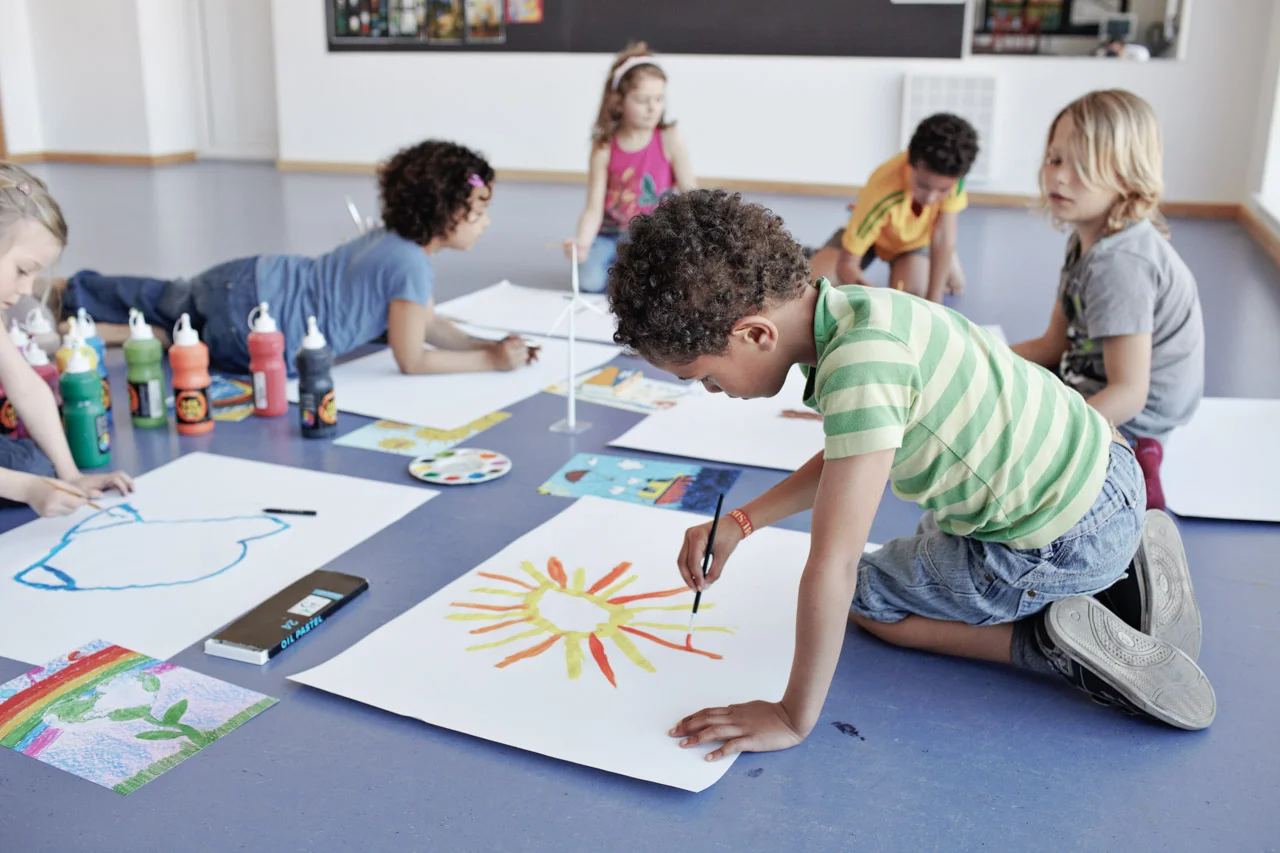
{"x": 460, "y": 467}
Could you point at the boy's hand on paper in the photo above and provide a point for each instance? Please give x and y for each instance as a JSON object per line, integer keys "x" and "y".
{"x": 48, "y": 500}
{"x": 509, "y": 353}
{"x": 95, "y": 484}
{"x": 728, "y": 535}
{"x": 749, "y": 727}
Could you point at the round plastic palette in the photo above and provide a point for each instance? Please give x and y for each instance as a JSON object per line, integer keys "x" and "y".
{"x": 460, "y": 467}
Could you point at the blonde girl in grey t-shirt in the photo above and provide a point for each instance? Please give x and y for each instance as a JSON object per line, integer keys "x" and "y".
{"x": 1126, "y": 330}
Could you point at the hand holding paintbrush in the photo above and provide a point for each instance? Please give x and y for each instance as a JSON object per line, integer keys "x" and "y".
{"x": 706, "y": 564}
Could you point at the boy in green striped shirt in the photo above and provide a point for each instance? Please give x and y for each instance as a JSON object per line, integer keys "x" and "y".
{"x": 1034, "y": 505}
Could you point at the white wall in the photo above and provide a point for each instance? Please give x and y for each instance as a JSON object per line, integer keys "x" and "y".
{"x": 819, "y": 120}
{"x": 89, "y": 75}
{"x": 168, "y": 74}
{"x": 1266, "y": 159}
{"x": 236, "y": 76}
{"x": 18, "y": 99}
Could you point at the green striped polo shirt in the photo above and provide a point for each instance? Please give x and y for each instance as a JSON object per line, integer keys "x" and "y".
{"x": 998, "y": 447}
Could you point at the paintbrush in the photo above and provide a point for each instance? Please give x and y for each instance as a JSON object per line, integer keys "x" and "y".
{"x": 706, "y": 564}
{"x": 67, "y": 491}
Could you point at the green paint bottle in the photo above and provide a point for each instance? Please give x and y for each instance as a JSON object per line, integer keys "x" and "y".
{"x": 83, "y": 416}
{"x": 143, "y": 355}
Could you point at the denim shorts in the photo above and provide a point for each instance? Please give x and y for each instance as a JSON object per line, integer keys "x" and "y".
{"x": 217, "y": 300}
{"x": 960, "y": 579}
{"x": 593, "y": 271}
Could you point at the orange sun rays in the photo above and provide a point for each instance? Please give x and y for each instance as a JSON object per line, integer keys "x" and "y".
{"x": 615, "y": 615}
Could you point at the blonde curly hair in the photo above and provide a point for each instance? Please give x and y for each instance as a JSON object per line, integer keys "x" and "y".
{"x": 1116, "y": 145}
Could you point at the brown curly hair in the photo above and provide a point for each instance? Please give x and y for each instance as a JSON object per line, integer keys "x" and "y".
{"x": 694, "y": 267}
{"x": 425, "y": 188}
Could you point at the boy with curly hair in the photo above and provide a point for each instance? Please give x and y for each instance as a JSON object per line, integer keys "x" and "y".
{"x": 435, "y": 195}
{"x": 1033, "y": 503}
{"x": 907, "y": 214}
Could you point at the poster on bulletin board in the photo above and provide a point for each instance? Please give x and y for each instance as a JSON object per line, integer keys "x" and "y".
{"x": 887, "y": 28}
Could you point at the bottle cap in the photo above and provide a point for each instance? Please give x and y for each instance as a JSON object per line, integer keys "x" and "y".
{"x": 313, "y": 339}
{"x": 183, "y": 334}
{"x": 87, "y": 327}
{"x": 264, "y": 321}
{"x": 35, "y": 356}
{"x": 139, "y": 328}
{"x": 79, "y": 362}
{"x": 38, "y": 322}
{"x": 69, "y": 339}
{"x": 17, "y": 335}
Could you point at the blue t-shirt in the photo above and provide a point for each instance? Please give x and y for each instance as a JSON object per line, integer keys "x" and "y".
{"x": 348, "y": 290}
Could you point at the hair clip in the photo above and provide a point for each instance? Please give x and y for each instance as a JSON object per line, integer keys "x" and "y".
{"x": 476, "y": 181}
{"x": 24, "y": 188}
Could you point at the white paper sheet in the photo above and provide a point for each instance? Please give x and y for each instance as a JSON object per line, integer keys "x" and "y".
{"x": 533, "y": 703}
{"x": 193, "y": 553}
{"x": 531, "y": 310}
{"x": 375, "y": 387}
{"x": 1226, "y": 462}
{"x": 718, "y": 428}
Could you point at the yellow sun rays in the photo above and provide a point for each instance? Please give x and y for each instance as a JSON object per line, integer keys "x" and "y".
{"x": 617, "y": 622}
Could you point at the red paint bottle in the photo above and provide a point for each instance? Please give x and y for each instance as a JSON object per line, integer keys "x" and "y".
{"x": 266, "y": 363}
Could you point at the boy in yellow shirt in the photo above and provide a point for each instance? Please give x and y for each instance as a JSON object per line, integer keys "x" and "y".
{"x": 909, "y": 205}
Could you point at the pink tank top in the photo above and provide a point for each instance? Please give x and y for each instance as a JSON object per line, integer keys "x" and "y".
{"x": 636, "y": 182}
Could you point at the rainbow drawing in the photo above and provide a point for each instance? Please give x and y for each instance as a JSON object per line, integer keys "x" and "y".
{"x": 117, "y": 717}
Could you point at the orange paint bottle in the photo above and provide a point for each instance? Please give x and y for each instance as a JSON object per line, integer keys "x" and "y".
{"x": 189, "y": 359}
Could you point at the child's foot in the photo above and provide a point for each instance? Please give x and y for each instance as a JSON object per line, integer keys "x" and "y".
{"x": 1150, "y": 454}
{"x": 1169, "y": 608}
{"x": 1095, "y": 651}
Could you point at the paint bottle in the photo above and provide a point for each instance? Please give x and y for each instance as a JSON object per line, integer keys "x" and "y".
{"x": 89, "y": 331}
{"x": 40, "y": 328}
{"x": 83, "y": 416}
{"x": 266, "y": 363}
{"x": 143, "y": 355}
{"x": 39, "y": 362}
{"x": 316, "y": 404}
{"x": 189, "y": 359}
{"x": 71, "y": 342}
{"x": 10, "y": 424}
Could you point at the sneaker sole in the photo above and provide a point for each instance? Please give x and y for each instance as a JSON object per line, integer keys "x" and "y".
{"x": 1154, "y": 675}
{"x": 1170, "y": 611}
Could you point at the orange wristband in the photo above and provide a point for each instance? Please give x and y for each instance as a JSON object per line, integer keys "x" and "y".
{"x": 744, "y": 521}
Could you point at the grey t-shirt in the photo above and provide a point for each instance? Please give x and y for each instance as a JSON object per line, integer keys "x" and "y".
{"x": 1130, "y": 283}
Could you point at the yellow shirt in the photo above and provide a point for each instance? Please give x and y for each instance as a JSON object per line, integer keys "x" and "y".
{"x": 883, "y": 217}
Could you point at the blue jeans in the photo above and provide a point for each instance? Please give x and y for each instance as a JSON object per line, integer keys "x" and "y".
{"x": 959, "y": 579}
{"x": 22, "y": 454}
{"x": 218, "y": 301}
{"x": 593, "y": 271}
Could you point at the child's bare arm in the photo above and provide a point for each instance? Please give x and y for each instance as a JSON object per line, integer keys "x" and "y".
{"x": 407, "y": 324}
{"x": 1127, "y": 359}
{"x": 1047, "y": 349}
{"x": 849, "y": 269}
{"x": 681, "y": 165}
{"x": 794, "y": 494}
{"x": 593, "y": 213}
{"x": 848, "y": 495}
{"x": 941, "y": 249}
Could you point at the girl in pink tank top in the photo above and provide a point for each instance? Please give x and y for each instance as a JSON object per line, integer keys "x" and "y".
{"x": 637, "y": 156}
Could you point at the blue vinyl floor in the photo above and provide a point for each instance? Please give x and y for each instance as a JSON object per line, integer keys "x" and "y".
{"x": 953, "y": 755}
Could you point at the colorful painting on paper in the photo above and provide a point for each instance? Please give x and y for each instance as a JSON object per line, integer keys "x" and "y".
{"x": 670, "y": 485}
{"x": 623, "y": 388}
{"x": 552, "y": 609}
{"x": 410, "y": 440}
{"x": 524, "y": 11}
{"x": 119, "y": 718}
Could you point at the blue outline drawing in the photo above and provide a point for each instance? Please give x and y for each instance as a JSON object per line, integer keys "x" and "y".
{"x": 124, "y": 514}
